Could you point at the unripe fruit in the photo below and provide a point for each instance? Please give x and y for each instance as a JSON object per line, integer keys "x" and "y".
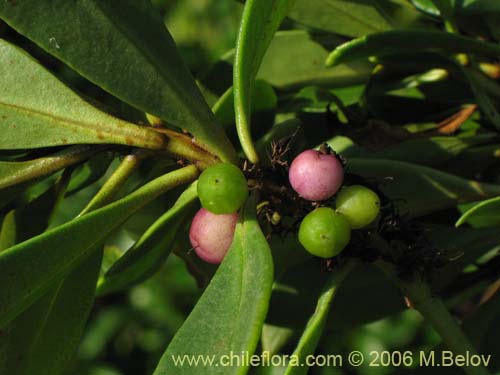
{"x": 358, "y": 204}
{"x": 316, "y": 176}
{"x": 222, "y": 188}
{"x": 211, "y": 235}
{"x": 324, "y": 232}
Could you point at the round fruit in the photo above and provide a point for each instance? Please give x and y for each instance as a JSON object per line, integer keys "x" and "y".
{"x": 222, "y": 188}
{"x": 211, "y": 235}
{"x": 358, "y": 204}
{"x": 316, "y": 176}
{"x": 324, "y": 232}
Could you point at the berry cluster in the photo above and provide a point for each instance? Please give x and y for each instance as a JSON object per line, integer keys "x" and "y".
{"x": 318, "y": 176}
{"x": 315, "y": 176}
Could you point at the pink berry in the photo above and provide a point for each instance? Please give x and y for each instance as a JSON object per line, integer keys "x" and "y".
{"x": 211, "y": 235}
{"x": 316, "y": 176}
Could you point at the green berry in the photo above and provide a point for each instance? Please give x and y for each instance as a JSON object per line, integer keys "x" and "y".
{"x": 358, "y": 204}
{"x": 222, "y": 188}
{"x": 324, "y": 232}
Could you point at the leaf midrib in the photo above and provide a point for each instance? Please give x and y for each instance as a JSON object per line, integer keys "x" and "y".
{"x": 150, "y": 59}
{"x": 78, "y": 124}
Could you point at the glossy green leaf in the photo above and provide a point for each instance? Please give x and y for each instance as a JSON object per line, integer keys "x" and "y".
{"x": 316, "y": 324}
{"x": 260, "y": 20}
{"x": 18, "y": 172}
{"x": 64, "y": 310}
{"x": 123, "y": 47}
{"x": 151, "y": 249}
{"x": 43, "y": 339}
{"x": 356, "y": 18}
{"x": 486, "y": 212}
{"x": 419, "y": 190}
{"x": 294, "y": 59}
{"x": 31, "y": 267}
{"x": 397, "y": 42}
{"x": 37, "y": 110}
{"x": 230, "y": 313}
{"x": 431, "y": 151}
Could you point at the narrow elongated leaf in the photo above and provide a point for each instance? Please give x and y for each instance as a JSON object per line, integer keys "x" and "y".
{"x": 356, "y": 18}
{"x": 316, "y": 324}
{"x": 263, "y": 109}
{"x": 149, "y": 252}
{"x": 55, "y": 321}
{"x": 43, "y": 339}
{"x": 431, "y": 151}
{"x": 230, "y": 313}
{"x": 260, "y": 20}
{"x": 487, "y": 212}
{"x": 123, "y": 47}
{"x": 17, "y": 172}
{"x": 294, "y": 59}
{"x": 397, "y": 42}
{"x": 37, "y": 110}
{"x": 31, "y": 267}
{"x": 419, "y": 190}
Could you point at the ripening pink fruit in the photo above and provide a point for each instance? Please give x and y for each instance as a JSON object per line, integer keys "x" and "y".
{"x": 211, "y": 235}
{"x": 316, "y": 176}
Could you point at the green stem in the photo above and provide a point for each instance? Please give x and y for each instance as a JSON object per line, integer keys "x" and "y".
{"x": 17, "y": 172}
{"x": 316, "y": 324}
{"x": 431, "y": 307}
{"x": 183, "y": 146}
{"x": 128, "y": 165}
